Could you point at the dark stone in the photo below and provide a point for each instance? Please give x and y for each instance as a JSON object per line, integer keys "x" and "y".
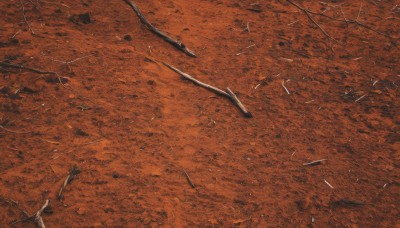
{"x": 80, "y": 132}
{"x": 85, "y": 18}
{"x": 128, "y": 37}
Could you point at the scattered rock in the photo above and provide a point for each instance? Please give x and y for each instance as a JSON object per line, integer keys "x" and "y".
{"x": 156, "y": 173}
{"x": 81, "y": 211}
{"x": 304, "y": 203}
{"x": 128, "y": 38}
{"x": 376, "y": 91}
{"x": 85, "y": 18}
{"x": 109, "y": 209}
{"x": 4, "y": 90}
{"x": 80, "y": 132}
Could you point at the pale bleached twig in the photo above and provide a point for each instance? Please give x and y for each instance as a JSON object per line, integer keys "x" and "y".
{"x": 228, "y": 94}
{"x": 197, "y": 82}
{"x": 56, "y": 3}
{"x": 317, "y": 162}
{"x": 15, "y": 34}
{"x": 359, "y": 11}
{"x": 293, "y": 22}
{"x": 239, "y": 104}
{"x": 344, "y": 16}
{"x": 72, "y": 173}
{"x": 326, "y": 182}
{"x": 26, "y": 21}
{"x": 283, "y": 85}
{"x": 85, "y": 144}
{"x": 360, "y": 98}
{"x": 38, "y": 217}
{"x": 67, "y": 62}
{"x": 247, "y": 27}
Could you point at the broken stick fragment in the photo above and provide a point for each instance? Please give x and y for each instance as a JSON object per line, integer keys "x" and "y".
{"x": 38, "y": 217}
{"x": 197, "y": 82}
{"x": 9, "y": 65}
{"x": 188, "y": 179}
{"x": 72, "y": 173}
{"x": 155, "y": 30}
{"x": 317, "y": 162}
{"x": 239, "y": 104}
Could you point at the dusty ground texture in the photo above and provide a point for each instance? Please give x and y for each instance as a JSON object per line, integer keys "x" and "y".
{"x": 131, "y": 125}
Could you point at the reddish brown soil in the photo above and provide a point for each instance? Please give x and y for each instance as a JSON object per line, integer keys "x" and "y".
{"x": 132, "y": 126}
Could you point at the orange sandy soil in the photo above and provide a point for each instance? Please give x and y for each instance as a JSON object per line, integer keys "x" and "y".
{"x": 132, "y": 126}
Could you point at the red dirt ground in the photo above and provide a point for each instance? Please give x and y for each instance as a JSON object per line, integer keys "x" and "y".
{"x": 132, "y": 125}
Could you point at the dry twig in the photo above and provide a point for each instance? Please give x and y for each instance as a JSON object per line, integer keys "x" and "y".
{"x": 239, "y": 104}
{"x": 286, "y": 89}
{"x": 16, "y": 205}
{"x": 85, "y": 144}
{"x": 37, "y": 216}
{"x": 72, "y": 174}
{"x": 34, "y": 218}
{"x": 16, "y": 132}
{"x": 307, "y": 13}
{"x": 247, "y": 27}
{"x": 348, "y": 21}
{"x": 326, "y": 182}
{"x": 4, "y": 64}
{"x": 317, "y": 162}
{"x": 188, "y": 179}
{"x": 26, "y": 21}
{"x": 228, "y": 94}
{"x": 360, "y": 98}
{"x": 153, "y": 29}
{"x": 197, "y": 82}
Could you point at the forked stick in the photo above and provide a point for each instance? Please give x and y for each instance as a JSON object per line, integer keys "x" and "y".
{"x": 72, "y": 173}
{"x": 167, "y": 38}
{"x": 307, "y": 13}
{"x": 349, "y": 21}
{"x": 229, "y": 94}
{"x": 38, "y": 218}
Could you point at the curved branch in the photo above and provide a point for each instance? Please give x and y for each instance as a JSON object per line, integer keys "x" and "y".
{"x": 153, "y": 29}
